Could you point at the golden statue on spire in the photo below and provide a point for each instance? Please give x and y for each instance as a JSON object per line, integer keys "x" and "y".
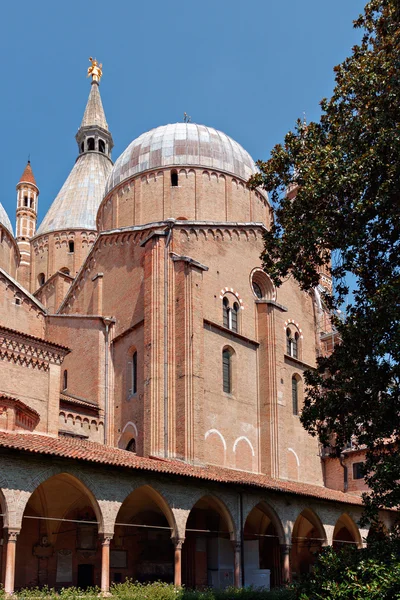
{"x": 95, "y": 70}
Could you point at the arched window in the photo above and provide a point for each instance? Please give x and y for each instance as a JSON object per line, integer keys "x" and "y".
{"x": 227, "y": 354}
{"x": 82, "y": 147}
{"x": 257, "y": 290}
{"x": 225, "y": 312}
{"x": 65, "y": 380}
{"x": 295, "y": 395}
{"x": 292, "y": 343}
{"x": 134, "y": 373}
{"x": 65, "y": 270}
{"x": 90, "y": 144}
{"x": 71, "y": 247}
{"x": 234, "y": 316}
{"x": 41, "y": 278}
{"x": 289, "y": 342}
{"x": 174, "y": 178}
{"x": 25, "y": 200}
{"x": 295, "y": 345}
{"x": 230, "y": 316}
{"x": 131, "y": 447}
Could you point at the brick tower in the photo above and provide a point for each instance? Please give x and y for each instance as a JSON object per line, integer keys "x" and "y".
{"x": 27, "y": 205}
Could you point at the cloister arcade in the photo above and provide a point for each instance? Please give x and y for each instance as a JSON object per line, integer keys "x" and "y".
{"x": 70, "y": 536}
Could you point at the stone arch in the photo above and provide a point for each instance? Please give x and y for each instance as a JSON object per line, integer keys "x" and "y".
{"x": 221, "y": 507}
{"x": 61, "y": 513}
{"x": 4, "y": 504}
{"x": 346, "y": 531}
{"x": 263, "y": 535}
{"x": 144, "y": 528}
{"x": 87, "y": 484}
{"x": 308, "y": 537}
{"x": 209, "y": 533}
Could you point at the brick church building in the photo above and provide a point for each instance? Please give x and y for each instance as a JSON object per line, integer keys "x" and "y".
{"x": 151, "y": 377}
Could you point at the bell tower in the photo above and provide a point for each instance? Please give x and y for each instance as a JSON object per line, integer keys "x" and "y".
{"x": 27, "y": 205}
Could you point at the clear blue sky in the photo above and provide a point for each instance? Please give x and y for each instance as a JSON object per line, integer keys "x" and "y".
{"x": 249, "y": 68}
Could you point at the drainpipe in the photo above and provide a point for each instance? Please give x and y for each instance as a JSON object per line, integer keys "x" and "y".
{"x": 107, "y": 322}
{"x": 345, "y": 473}
{"x": 171, "y": 223}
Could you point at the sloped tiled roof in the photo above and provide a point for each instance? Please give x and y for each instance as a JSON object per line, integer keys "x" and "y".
{"x": 28, "y": 175}
{"x": 76, "y": 205}
{"x": 106, "y": 455}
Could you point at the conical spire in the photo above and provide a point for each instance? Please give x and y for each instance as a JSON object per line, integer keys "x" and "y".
{"x": 76, "y": 204}
{"x": 94, "y": 112}
{"x": 28, "y": 176}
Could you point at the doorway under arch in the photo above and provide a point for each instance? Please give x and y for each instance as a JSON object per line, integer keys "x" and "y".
{"x": 59, "y": 541}
{"x": 207, "y": 555}
{"x": 307, "y": 540}
{"x": 142, "y": 548}
{"x": 262, "y": 536}
{"x": 346, "y": 532}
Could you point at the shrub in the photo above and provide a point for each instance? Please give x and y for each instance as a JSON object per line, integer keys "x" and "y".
{"x": 351, "y": 574}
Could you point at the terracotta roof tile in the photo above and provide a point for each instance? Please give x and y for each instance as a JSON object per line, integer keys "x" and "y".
{"x": 28, "y": 175}
{"x": 106, "y": 455}
{"x": 71, "y": 399}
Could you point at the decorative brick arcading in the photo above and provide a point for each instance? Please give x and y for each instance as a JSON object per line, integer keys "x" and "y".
{"x": 29, "y": 351}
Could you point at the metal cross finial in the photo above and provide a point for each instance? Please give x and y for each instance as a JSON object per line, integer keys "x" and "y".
{"x": 186, "y": 118}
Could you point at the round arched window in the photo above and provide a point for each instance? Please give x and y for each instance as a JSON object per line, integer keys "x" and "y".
{"x": 257, "y": 290}
{"x": 261, "y": 285}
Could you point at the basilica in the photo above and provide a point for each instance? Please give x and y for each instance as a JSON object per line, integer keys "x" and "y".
{"x": 151, "y": 376}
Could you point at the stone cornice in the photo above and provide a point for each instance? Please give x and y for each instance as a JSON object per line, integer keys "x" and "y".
{"x": 137, "y": 234}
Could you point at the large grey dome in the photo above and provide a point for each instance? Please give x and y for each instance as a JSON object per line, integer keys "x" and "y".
{"x": 4, "y": 220}
{"x": 186, "y": 144}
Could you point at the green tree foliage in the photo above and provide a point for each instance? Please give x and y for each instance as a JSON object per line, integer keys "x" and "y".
{"x": 346, "y": 169}
{"x": 351, "y": 574}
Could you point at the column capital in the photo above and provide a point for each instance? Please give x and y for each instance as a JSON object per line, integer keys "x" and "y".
{"x": 285, "y": 548}
{"x": 236, "y": 545}
{"x": 106, "y": 538}
{"x": 178, "y": 543}
{"x": 12, "y": 534}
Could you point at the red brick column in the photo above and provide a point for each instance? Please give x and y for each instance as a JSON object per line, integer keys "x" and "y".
{"x": 237, "y": 551}
{"x": 9, "y": 581}
{"x": 178, "y": 562}
{"x": 105, "y": 563}
{"x": 286, "y": 569}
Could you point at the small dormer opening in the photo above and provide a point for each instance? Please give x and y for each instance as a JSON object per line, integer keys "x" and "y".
{"x": 41, "y": 279}
{"x": 174, "y": 178}
{"x": 71, "y": 247}
{"x": 90, "y": 143}
{"x": 65, "y": 380}
{"x": 102, "y": 146}
{"x": 18, "y": 300}
{"x": 82, "y": 147}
